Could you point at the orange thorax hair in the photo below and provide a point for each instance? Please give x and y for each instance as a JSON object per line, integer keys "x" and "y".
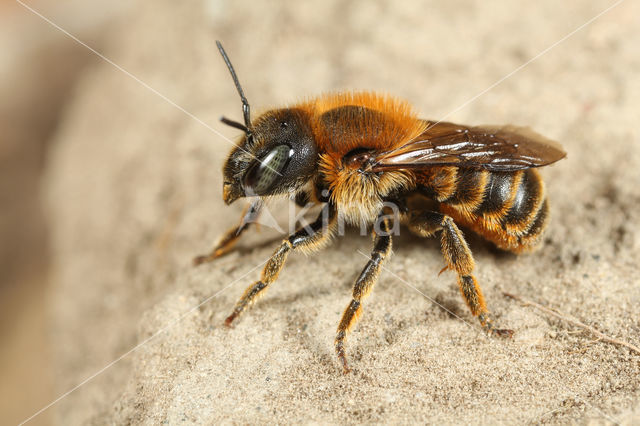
{"x": 344, "y": 122}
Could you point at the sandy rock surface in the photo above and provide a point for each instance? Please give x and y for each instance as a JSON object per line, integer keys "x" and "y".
{"x": 135, "y": 192}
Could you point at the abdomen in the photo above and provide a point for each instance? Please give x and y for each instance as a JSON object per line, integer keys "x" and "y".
{"x": 507, "y": 208}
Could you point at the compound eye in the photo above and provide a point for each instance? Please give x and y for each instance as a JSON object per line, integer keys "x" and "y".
{"x": 264, "y": 174}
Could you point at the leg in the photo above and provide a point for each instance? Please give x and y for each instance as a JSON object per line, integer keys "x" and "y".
{"x": 363, "y": 286}
{"x": 458, "y": 257}
{"x": 320, "y": 233}
{"x": 228, "y": 240}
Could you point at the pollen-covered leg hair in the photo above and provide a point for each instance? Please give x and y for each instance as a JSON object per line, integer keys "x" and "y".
{"x": 307, "y": 238}
{"x": 364, "y": 284}
{"x": 229, "y": 239}
{"x": 458, "y": 257}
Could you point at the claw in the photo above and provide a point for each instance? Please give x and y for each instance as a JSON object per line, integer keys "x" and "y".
{"x": 503, "y": 332}
{"x": 345, "y": 366}
{"x": 486, "y": 323}
{"x": 229, "y": 320}
{"x": 341, "y": 354}
{"x": 199, "y": 260}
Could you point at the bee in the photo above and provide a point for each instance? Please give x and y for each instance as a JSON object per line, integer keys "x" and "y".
{"x": 356, "y": 153}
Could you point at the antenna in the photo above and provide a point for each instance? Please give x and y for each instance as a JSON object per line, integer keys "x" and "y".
{"x": 245, "y": 103}
{"x": 234, "y": 124}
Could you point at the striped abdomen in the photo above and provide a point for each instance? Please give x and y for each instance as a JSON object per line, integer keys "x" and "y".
{"x": 507, "y": 208}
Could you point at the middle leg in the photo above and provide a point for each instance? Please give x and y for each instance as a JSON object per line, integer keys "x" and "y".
{"x": 364, "y": 284}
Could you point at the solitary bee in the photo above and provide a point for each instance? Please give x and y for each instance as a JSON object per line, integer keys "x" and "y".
{"x": 357, "y": 153}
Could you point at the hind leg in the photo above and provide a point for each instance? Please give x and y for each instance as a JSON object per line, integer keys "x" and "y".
{"x": 458, "y": 257}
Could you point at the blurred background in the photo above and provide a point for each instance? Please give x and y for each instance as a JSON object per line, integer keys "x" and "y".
{"x": 114, "y": 134}
{"x": 38, "y": 72}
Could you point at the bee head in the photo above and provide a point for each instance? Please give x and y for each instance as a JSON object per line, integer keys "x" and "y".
{"x": 276, "y": 155}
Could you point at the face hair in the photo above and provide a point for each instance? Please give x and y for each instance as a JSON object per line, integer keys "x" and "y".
{"x": 245, "y": 103}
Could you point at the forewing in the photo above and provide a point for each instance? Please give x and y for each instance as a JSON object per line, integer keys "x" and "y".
{"x": 496, "y": 148}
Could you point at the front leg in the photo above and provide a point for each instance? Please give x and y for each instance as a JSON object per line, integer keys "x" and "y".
{"x": 364, "y": 284}
{"x": 228, "y": 240}
{"x": 308, "y": 239}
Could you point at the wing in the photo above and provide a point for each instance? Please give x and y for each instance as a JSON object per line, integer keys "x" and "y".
{"x": 495, "y": 148}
